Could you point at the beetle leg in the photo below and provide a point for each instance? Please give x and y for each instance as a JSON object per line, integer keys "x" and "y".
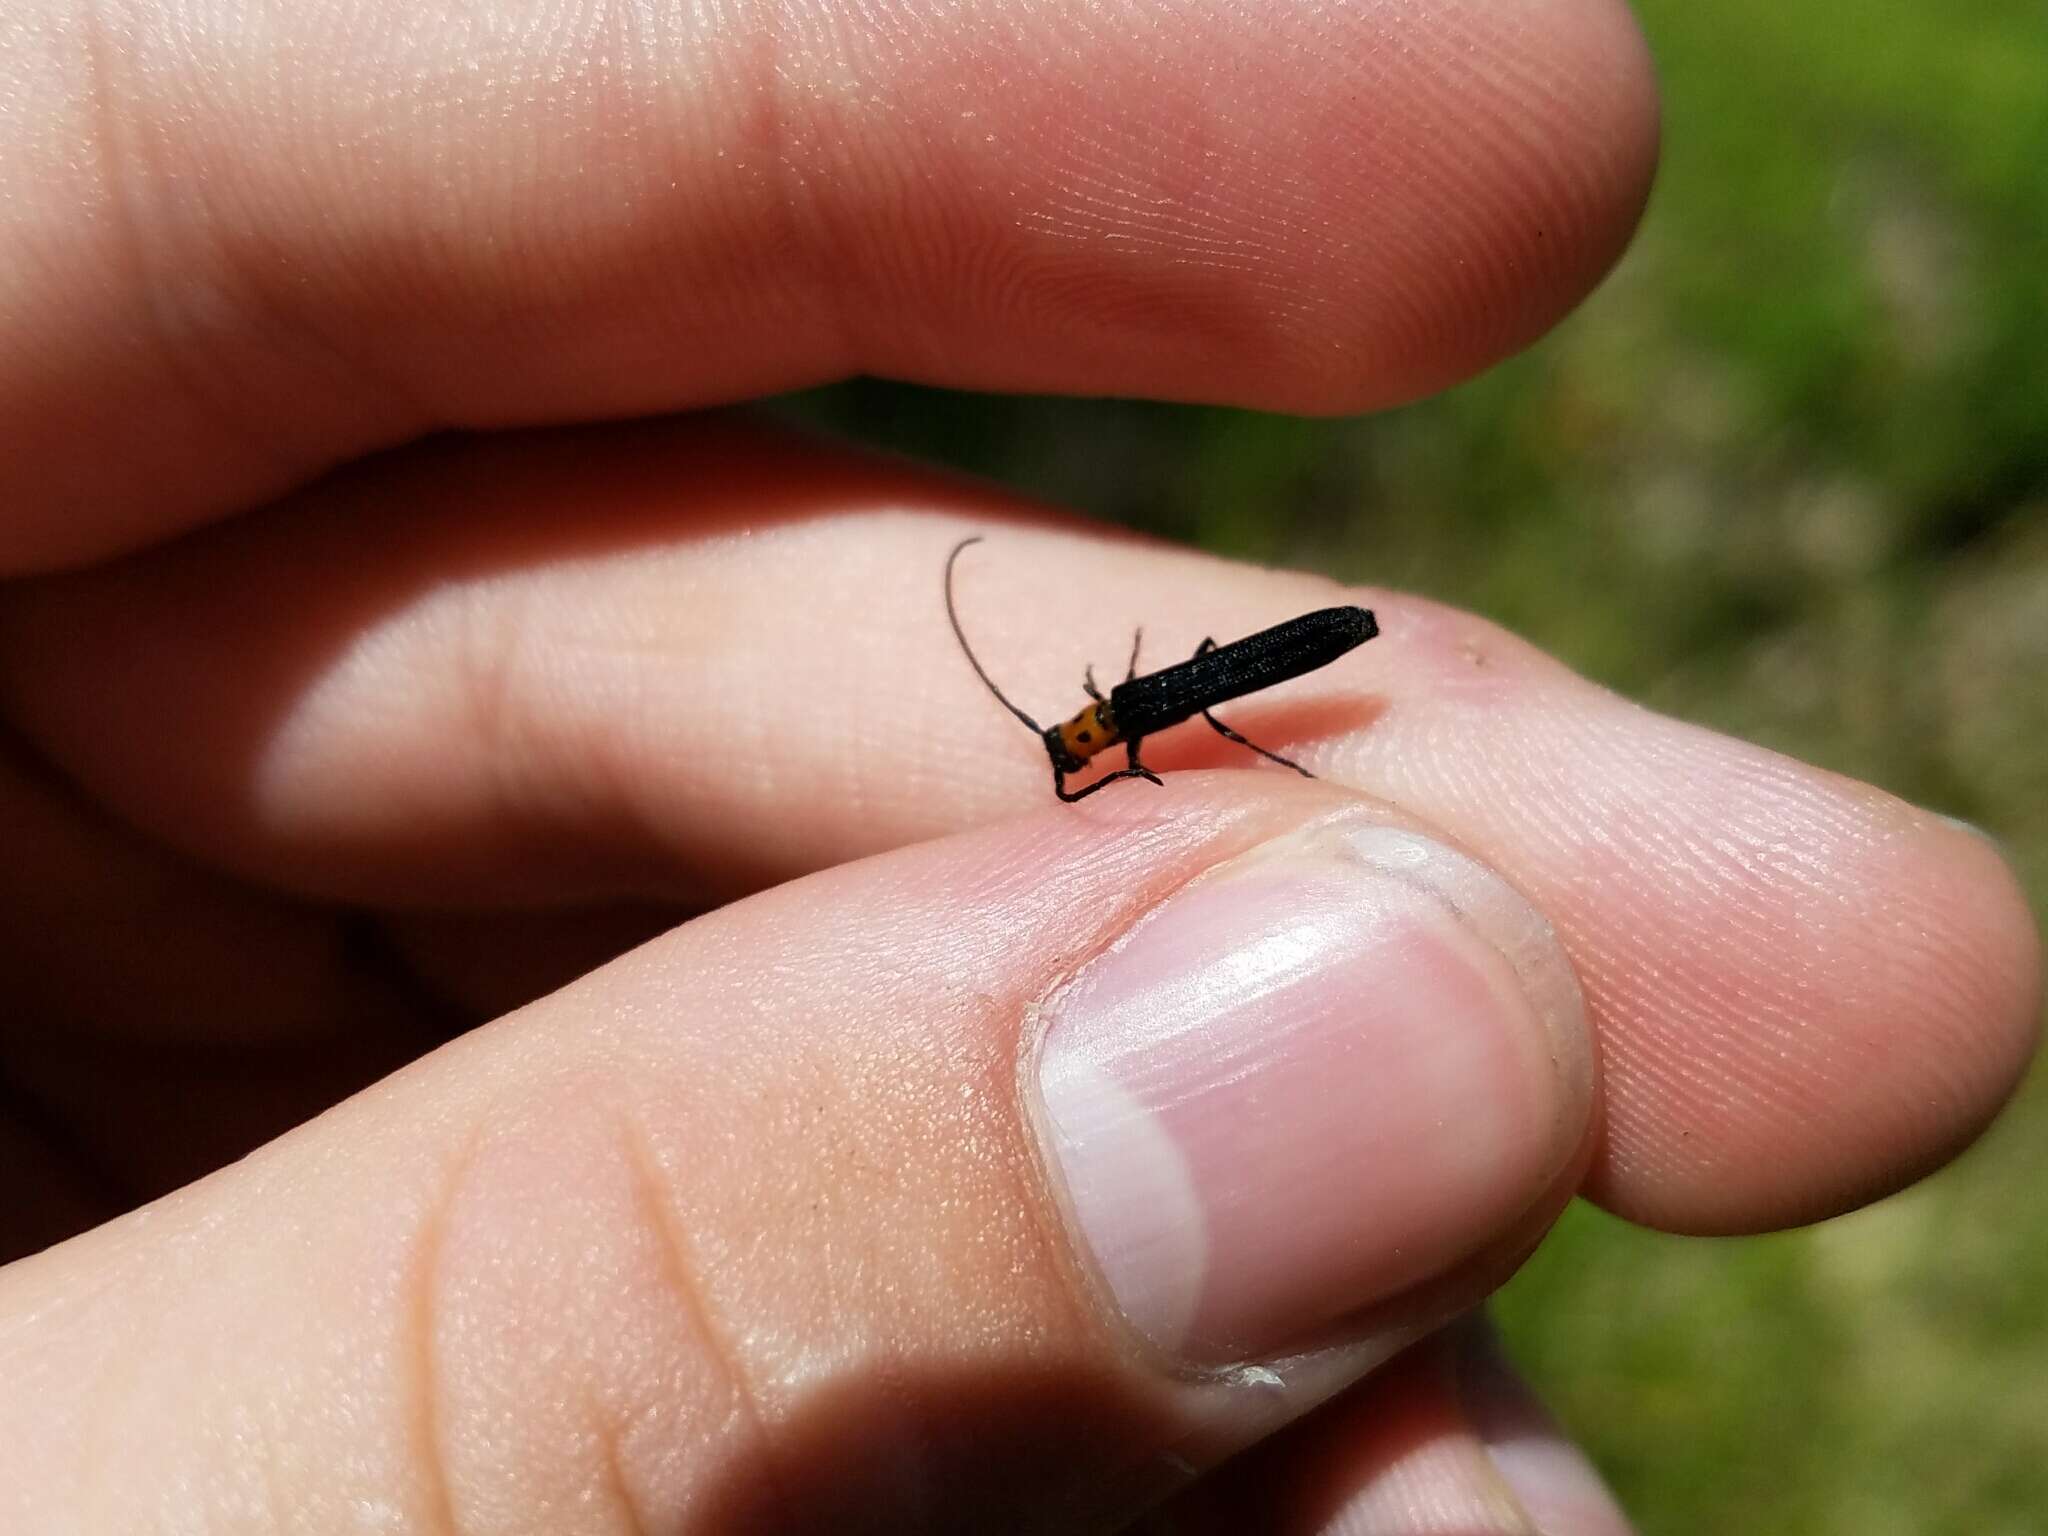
{"x": 1227, "y": 733}
{"x": 1071, "y": 795}
{"x": 1088, "y": 676}
{"x": 1133, "y": 769}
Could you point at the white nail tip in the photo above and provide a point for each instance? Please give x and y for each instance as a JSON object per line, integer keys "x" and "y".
{"x": 1107, "y": 1128}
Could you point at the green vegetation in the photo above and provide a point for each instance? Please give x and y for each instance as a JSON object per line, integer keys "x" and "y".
{"x": 1785, "y": 474}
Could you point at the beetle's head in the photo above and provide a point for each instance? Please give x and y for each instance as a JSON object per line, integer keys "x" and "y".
{"x": 1063, "y": 759}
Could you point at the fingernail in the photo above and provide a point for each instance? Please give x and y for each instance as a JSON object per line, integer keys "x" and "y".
{"x": 1555, "y": 1484}
{"x": 1314, "y": 1077}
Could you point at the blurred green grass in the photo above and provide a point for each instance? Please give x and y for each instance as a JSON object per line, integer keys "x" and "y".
{"x": 1786, "y": 474}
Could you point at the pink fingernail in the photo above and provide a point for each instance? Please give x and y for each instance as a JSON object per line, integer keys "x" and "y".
{"x": 1319, "y": 1074}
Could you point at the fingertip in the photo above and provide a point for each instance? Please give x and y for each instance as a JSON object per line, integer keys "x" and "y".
{"x": 1526, "y": 167}
{"x": 1557, "y": 1485}
{"x": 1424, "y": 195}
{"x": 1446, "y": 1437}
{"x": 1989, "y": 974}
{"x": 1896, "y": 1013}
{"x": 1954, "y": 1013}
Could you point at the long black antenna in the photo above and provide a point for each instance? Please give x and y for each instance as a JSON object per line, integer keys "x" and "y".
{"x": 968, "y": 651}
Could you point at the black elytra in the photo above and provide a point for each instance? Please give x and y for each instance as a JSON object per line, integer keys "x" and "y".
{"x": 1139, "y": 706}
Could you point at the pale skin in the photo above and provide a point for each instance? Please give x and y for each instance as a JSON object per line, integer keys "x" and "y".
{"x": 303, "y": 773}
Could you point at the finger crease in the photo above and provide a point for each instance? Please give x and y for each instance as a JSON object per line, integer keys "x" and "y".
{"x": 615, "y": 1484}
{"x": 436, "y": 1495}
{"x": 679, "y": 1269}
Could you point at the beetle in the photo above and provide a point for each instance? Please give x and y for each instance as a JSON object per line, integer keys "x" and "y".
{"x": 1140, "y": 706}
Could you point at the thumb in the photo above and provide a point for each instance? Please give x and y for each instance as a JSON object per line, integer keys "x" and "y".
{"x": 1007, "y": 1180}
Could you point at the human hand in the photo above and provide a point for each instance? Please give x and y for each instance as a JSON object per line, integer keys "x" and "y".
{"x": 780, "y": 1218}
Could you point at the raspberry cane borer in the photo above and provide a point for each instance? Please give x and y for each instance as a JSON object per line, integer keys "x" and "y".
{"x": 1139, "y": 706}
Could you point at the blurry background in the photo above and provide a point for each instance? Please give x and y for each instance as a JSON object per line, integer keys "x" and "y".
{"x": 1786, "y": 474}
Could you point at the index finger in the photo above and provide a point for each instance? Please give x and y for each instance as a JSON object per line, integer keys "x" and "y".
{"x": 237, "y": 254}
{"x": 685, "y": 663}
